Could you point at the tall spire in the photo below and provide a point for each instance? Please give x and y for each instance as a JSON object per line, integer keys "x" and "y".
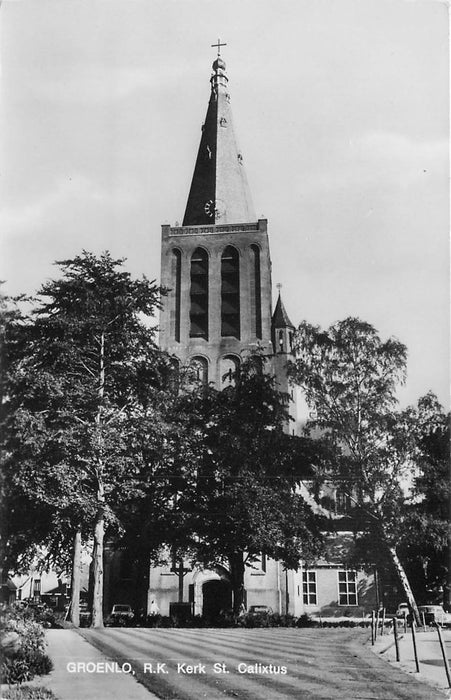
{"x": 219, "y": 191}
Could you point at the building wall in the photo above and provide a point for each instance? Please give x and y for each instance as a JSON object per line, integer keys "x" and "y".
{"x": 328, "y": 597}
{"x": 281, "y": 590}
{"x": 214, "y": 239}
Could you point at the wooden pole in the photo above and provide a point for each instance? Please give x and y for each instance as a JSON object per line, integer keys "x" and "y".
{"x": 372, "y": 628}
{"x": 414, "y": 641}
{"x": 377, "y": 624}
{"x": 445, "y": 658}
{"x": 395, "y": 633}
{"x": 383, "y": 621}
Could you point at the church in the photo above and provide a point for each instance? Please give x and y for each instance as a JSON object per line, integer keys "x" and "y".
{"x": 217, "y": 267}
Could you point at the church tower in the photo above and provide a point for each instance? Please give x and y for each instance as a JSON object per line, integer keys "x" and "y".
{"x": 217, "y": 264}
{"x": 217, "y": 267}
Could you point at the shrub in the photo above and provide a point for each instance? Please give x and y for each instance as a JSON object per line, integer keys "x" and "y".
{"x": 14, "y": 671}
{"x": 24, "y": 692}
{"x": 306, "y": 621}
{"x": 23, "y": 645}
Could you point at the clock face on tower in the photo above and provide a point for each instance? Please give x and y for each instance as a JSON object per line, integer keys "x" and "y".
{"x": 214, "y": 208}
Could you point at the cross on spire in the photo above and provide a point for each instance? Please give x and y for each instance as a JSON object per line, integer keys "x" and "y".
{"x": 279, "y": 286}
{"x": 218, "y": 46}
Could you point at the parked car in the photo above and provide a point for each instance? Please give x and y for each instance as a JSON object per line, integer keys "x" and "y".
{"x": 259, "y": 610}
{"x": 435, "y": 613}
{"x": 121, "y": 615}
{"x": 85, "y": 615}
{"x": 402, "y": 610}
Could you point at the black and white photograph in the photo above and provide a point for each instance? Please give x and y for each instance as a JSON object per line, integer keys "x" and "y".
{"x": 225, "y": 350}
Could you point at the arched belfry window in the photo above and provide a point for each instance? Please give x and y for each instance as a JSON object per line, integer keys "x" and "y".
{"x": 199, "y": 294}
{"x": 255, "y": 292}
{"x": 176, "y": 277}
{"x": 230, "y": 292}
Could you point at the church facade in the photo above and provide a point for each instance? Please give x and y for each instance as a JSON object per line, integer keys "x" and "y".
{"x": 217, "y": 267}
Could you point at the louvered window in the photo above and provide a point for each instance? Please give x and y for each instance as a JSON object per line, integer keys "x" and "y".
{"x": 230, "y": 293}
{"x": 199, "y": 294}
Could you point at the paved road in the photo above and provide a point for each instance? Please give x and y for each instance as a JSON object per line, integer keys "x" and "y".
{"x": 250, "y": 664}
{"x": 430, "y": 657}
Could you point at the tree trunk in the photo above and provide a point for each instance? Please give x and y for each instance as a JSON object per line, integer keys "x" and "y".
{"x": 405, "y": 584}
{"x": 181, "y": 576}
{"x": 97, "y": 557}
{"x": 141, "y": 588}
{"x": 99, "y": 527}
{"x": 75, "y": 581}
{"x": 236, "y": 563}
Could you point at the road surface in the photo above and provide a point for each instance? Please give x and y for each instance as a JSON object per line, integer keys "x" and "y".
{"x": 257, "y": 664}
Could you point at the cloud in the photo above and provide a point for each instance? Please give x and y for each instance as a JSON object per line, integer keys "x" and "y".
{"x": 386, "y": 159}
{"x": 382, "y": 145}
{"x": 97, "y": 84}
{"x": 78, "y": 188}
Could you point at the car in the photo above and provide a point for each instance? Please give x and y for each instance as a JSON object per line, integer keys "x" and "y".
{"x": 402, "y": 610}
{"x": 259, "y": 610}
{"x": 120, "y": 615}
{"x": 85, "y": 615}
{"x": 434, "y": 614}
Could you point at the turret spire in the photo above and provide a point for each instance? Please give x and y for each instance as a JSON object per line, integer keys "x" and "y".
{"x": 280, "y": 317}
{"x": 219, "y": 191}
{"x": 282, "y": 328}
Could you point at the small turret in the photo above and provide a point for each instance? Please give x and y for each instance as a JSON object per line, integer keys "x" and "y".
{"x": 282, "y": 329}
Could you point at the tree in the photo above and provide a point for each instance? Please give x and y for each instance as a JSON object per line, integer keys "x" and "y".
{"x": 349, "y": 377}
{"x": 238, "y": 499}
{"x": 87, "y": 370}
{"x": 426, "y": 542}
{"x": 26, "y": 518}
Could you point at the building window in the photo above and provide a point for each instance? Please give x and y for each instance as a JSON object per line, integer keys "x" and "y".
{"x": 173, "y": 375}
{"x": 199, "y": 294}
{"x": 347, "y": 587}
{"x": 230, "y": 293}
{"x": 342, "y": 502}
{"x": 309, "y": 587}
{"x": 263, "y": 562}
{"x": 176, "y": 288}
{"x": 199, "y": 367}
{"x": 255, "y": 296}
{"x": 228, "y": 369}
{"x": 36, "y": 586}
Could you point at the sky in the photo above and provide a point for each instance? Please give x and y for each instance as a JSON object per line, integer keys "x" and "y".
{"x": 341, "y": 110}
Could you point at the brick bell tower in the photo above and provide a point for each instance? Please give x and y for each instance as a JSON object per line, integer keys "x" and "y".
{"x": 217, "y": 264}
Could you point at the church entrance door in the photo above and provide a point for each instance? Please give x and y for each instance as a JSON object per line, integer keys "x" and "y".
{"x": 217, "y": 597}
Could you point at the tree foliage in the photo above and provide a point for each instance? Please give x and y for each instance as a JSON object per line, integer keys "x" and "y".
{"x": 84, "y": 368}
{"x": 426, "y": 539}
{"x": 234, "y": 476}
{"x": 349, "y": 376}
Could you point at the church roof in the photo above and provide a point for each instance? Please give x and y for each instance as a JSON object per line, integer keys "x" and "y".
{"x": 280, "y": 317}
{"x": 219, "y": 191}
